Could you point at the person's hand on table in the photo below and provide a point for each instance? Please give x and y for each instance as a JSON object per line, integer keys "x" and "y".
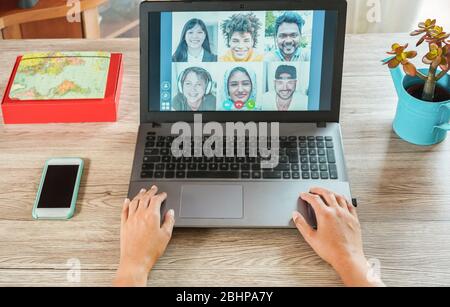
{"x": 142, "y": 237}
{"x": 337, "y": 239}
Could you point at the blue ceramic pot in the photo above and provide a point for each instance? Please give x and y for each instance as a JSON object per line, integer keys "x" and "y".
{"x": 417, "y": 121}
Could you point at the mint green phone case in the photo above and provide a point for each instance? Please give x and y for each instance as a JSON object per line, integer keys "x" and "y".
{"x": 75, "y": 191}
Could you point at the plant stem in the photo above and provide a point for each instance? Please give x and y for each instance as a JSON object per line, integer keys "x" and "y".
{"x": 441, "y": 74}
{"x": 430, "y": 85}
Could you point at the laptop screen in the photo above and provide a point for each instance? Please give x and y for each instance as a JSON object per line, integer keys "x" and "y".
{"x": 244, "y": 61}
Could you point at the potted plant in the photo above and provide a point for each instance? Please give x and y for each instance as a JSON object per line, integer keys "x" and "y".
{"x": 423, "y": 109}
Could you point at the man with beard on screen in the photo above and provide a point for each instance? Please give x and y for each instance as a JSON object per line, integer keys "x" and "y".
{"x": 285, "y": 97}
{"x": 288, "y": 35}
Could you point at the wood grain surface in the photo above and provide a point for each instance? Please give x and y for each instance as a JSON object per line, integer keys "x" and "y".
{"x": 403, "y": 193}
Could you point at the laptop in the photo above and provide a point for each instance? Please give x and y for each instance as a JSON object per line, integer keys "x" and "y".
{"x": 273, "y": 65}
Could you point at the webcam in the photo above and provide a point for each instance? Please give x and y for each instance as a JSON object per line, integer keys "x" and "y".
{"x": 25, "y": 4}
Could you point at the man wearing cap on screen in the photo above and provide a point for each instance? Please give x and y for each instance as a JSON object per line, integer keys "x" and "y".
{"x": 285, "y": 96}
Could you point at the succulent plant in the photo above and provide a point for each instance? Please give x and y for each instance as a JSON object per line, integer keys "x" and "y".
{"x": 438, "y": 56}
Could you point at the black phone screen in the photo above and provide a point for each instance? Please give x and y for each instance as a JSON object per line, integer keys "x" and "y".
{"x": 58, "y": 187}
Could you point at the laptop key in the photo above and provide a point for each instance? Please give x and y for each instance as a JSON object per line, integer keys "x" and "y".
{"x": 305, "y": 175}
{"x": 315, "y": 175}
{"x": 314, "y": 167}
{"x": 245, "y": 175}
{"x": 152, "y": 158}
{"x": 202, "y": 166}
{"x": 147, "y": 174}
{"x": 282, "y": 167}
{"x": 323, "y": 175}
{"x": 192, "y": 166}
{"x": 166, "y": 159}
{"x": 332, "y": 167}
{"x": 223, "y": 166}
{"x": 333, "y": 175}
{"x": 234, "y": 166}
{"x": 330, "y": 156}
{"x": 272, "y": 175}
{"x": 256, "y": 175}
{"x": 215, "y": 175}
{"x": 159, "y": 174}
{"x": 180, "y": 174}
{"x": 159, "y": 166}
{"x": 329, "y": 144}
{"x": 323, "y": 167}
{"x": 169, "y": 174}
{"x": 148, "y": 166}
{"x": 286, "y": 175}
{"x": 295, "y": 175}
{"x": 245, "y": 167}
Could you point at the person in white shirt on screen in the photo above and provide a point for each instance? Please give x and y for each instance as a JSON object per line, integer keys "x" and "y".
{"x": 288, "y": 36}
{"x": 194, "y": 44}
{"x": 285, "y": 96}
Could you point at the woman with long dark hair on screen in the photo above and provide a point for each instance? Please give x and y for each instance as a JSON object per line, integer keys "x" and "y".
{"x": 194, "y": 44}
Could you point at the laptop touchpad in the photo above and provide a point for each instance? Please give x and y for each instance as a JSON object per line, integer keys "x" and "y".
{"x": 211, "y": 201}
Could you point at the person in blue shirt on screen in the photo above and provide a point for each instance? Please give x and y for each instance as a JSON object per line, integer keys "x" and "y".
{"x": 194, "y": 45}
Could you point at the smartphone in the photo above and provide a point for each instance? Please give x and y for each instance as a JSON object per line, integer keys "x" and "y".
{"x": 58, "y": 189}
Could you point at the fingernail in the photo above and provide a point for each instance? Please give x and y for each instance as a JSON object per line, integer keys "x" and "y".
{"x": 295, "y": 215}
{"x": 302, "y": 194}
{"x": 153, "y": 187}
{"x": 127, "y": 200}
{"x": 142, "y": 191}
{"x": 171, "y": 213}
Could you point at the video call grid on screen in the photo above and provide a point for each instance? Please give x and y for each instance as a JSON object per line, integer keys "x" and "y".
{"x": 246, "y": 61}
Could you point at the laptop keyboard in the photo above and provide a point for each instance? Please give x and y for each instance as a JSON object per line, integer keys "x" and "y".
{"x": 301, "y": 158}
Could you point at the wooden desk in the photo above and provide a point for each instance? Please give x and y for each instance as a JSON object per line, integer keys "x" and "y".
{"x": 403, "y": 192}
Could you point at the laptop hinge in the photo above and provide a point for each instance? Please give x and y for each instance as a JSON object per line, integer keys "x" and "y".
{"x": 321, "y": 124}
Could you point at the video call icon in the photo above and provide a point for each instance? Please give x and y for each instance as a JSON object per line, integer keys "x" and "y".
{"x": 165, "y": 96}
{"x": 165, "y": 86}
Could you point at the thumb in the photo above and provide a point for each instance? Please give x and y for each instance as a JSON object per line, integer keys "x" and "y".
{"x": 169, "y": 222}
{"x": 305, "y": 229}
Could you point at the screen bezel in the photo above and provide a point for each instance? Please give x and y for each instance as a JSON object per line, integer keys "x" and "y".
{"x": 147, "y": 116}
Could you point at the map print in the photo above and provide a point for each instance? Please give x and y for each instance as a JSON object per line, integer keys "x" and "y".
{"x": 61, "y": 75}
